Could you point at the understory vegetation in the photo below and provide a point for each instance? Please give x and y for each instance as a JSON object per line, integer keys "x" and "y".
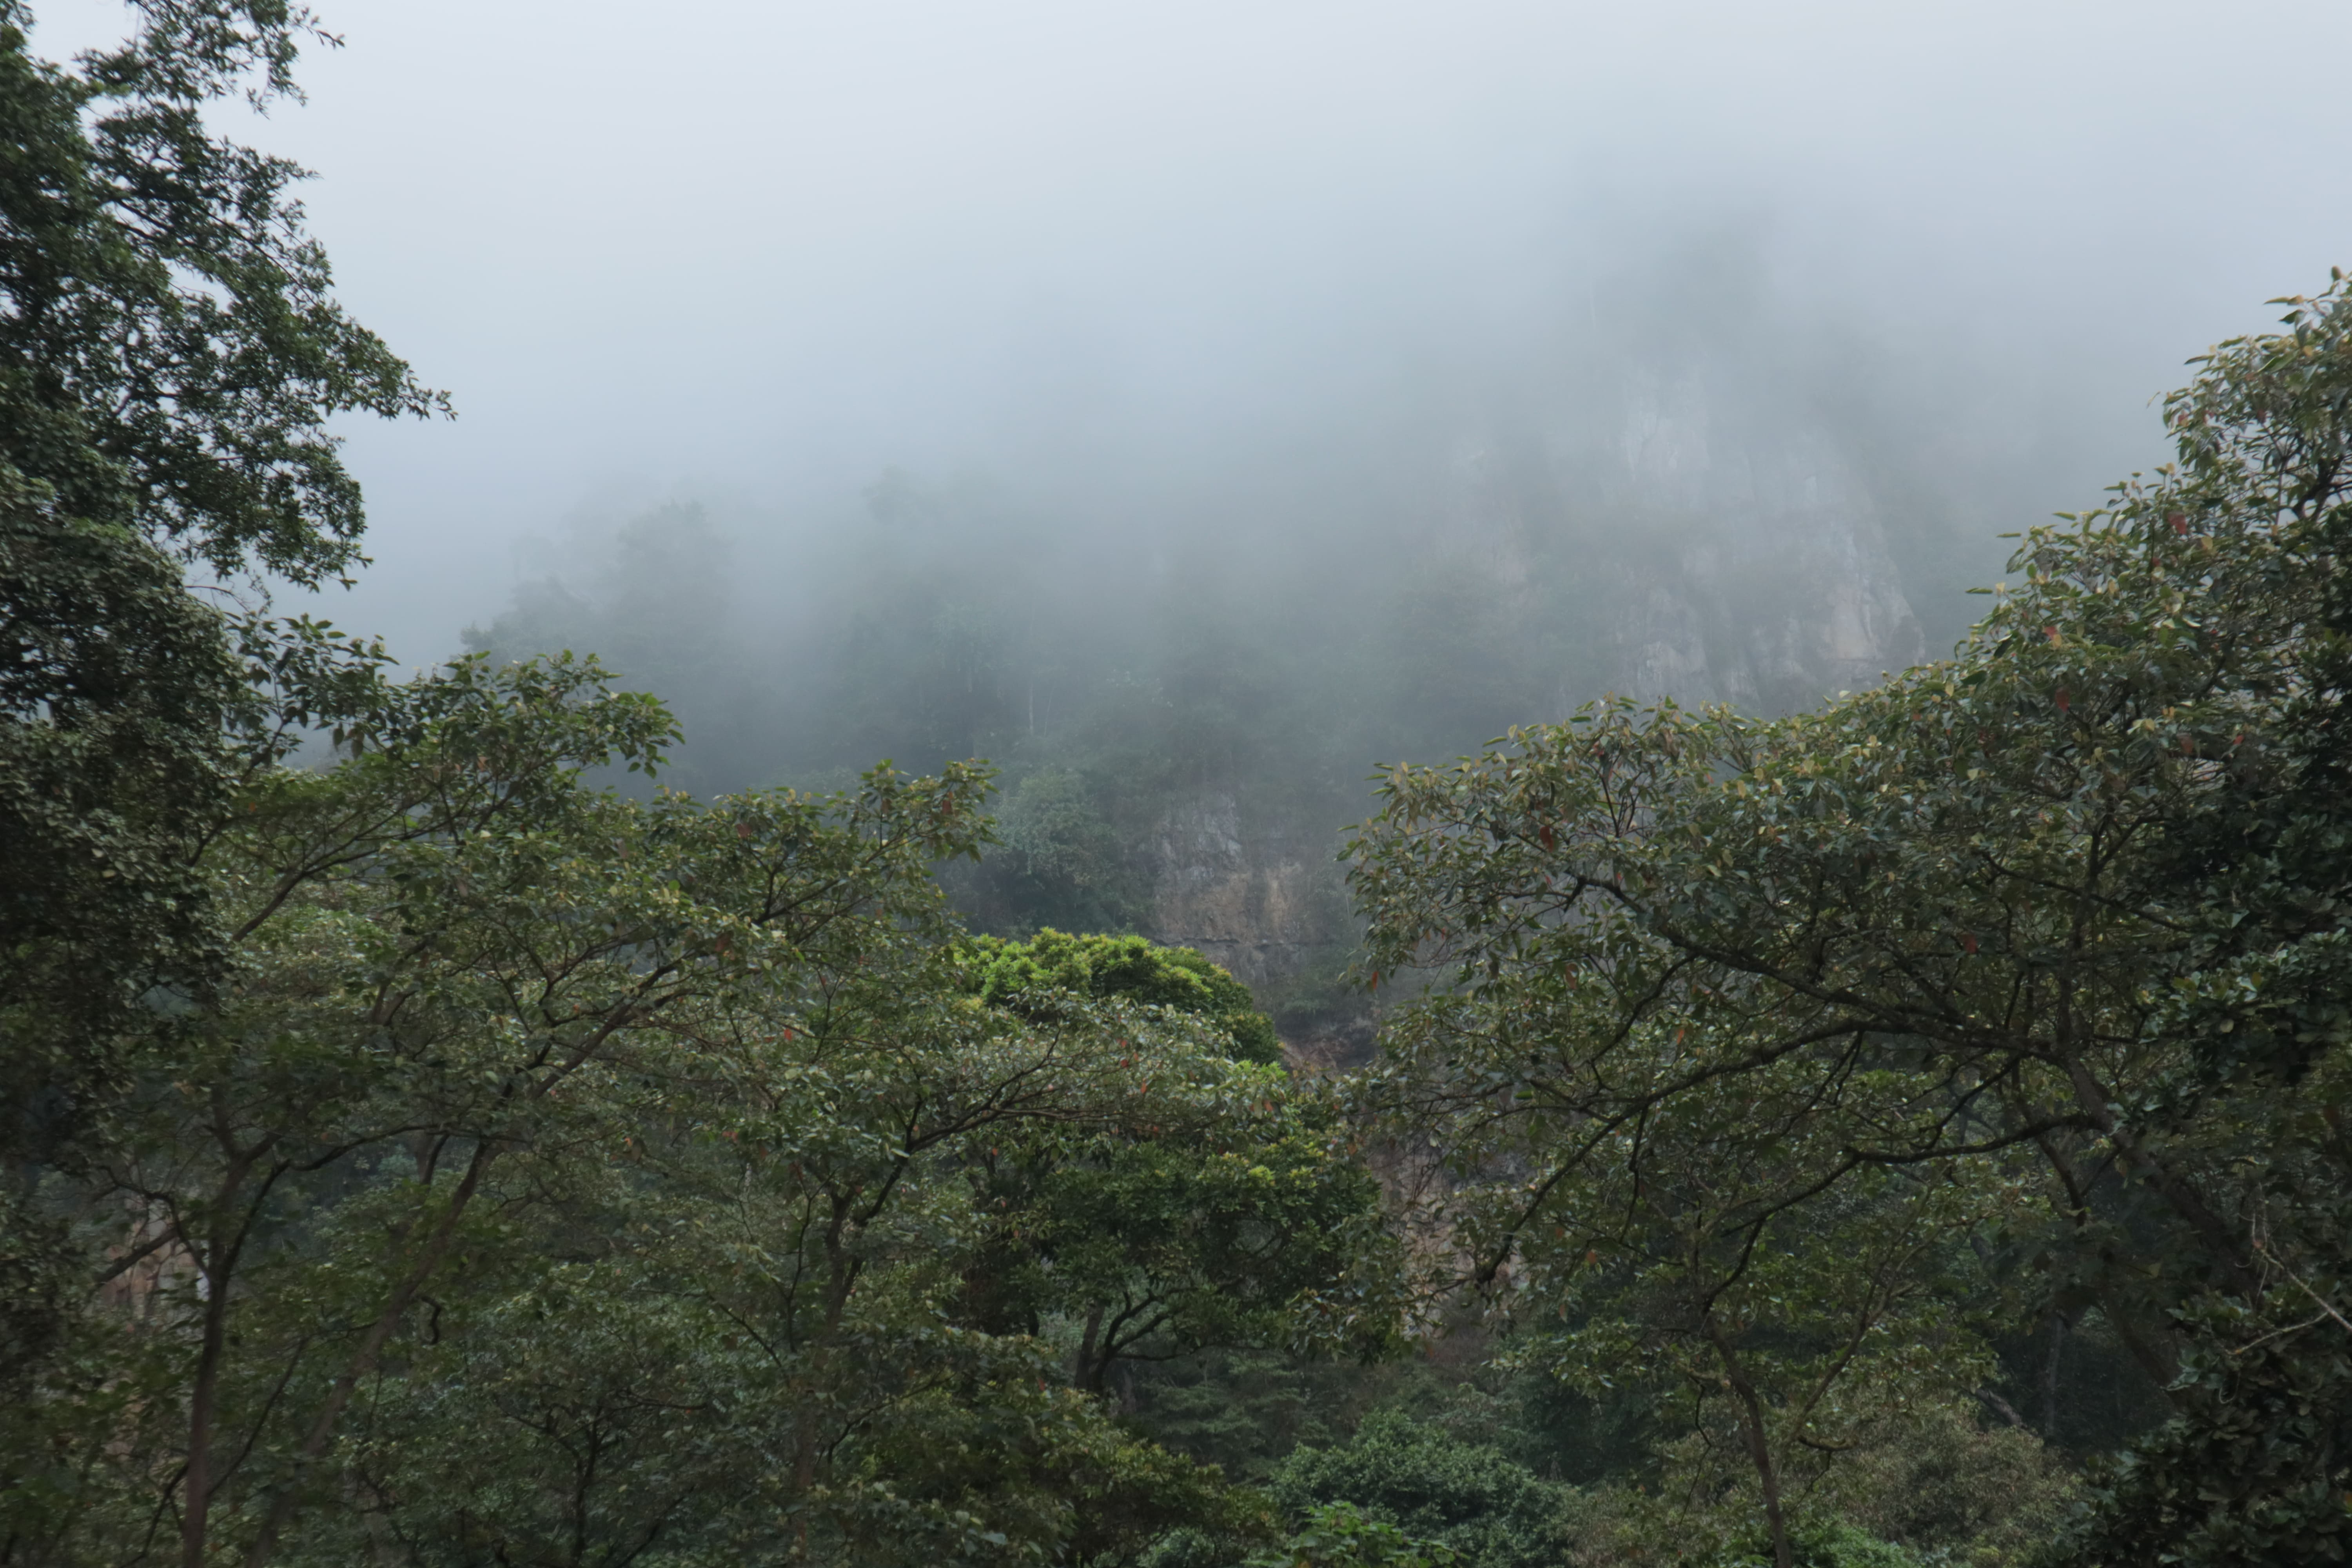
{"x": 1904, "y": 1133}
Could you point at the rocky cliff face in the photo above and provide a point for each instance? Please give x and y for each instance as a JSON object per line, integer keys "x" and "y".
{"x": 1778, "y": 589}
{"x": 1246, "y": 894}
{"x": 1722, "y": 549}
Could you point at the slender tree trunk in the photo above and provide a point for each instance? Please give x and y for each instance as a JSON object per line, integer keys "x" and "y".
{"x": 202, "y": 1402}
{"x": 1085, "y": 1374}
{"x": 404, "y": 1293}
{"x": 1759, "y": 1448}
{"x": 842, "y": 1270}
{"x": 2155, "y": 1359}
{"x": 217, "y": 1266}
{"x": 2057, "y": 1336}
{"x": 583, "y": 1486}
{"x": 804, "y": 1480}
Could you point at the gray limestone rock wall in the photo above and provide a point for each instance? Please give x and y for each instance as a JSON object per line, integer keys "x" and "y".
{"x": 1725, "y": 550}
{"x": 1243, "y": 894}
{"x": 1777, "y": 587}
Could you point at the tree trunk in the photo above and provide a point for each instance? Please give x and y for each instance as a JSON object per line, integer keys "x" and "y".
{"x": 371, "y": 1343}
{"x": 1086, "y": 1374}
{"x": 2050, "y": 1357}
{"x": 217, "y": 1267}
{"x": 198, "y": 1484}
{"x": 1759, "y": 1448}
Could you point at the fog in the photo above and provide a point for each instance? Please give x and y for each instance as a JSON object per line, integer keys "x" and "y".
{"x": 761, "y": 251}
{"x": 1381, "y": 360}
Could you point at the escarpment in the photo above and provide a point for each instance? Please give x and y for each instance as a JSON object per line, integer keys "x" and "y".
{"x": 1693, "y": 546}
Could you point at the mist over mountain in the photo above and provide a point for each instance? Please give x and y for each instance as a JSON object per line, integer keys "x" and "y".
{"x": 1189, "y": 409}
{"x": 1683, "y": 473}
{"x": 758, "y": 254}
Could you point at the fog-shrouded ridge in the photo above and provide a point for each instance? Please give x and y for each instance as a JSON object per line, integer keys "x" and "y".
{"x": 1190, "y": 407}
{"x": 1678, "y": 474}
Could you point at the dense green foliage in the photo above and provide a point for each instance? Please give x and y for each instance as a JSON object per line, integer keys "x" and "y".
{"x": 1008, "y": 972}
{"x": 1780, "y": 1050}
{"x": 1188, "y": 1233}
{"x": 1469, "y": 1496}
{"x": 169, "y": 357}
{"x": 558, "y": 1167}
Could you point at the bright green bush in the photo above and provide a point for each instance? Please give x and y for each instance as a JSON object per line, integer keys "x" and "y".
{"x": 1471, "y": 1497}
{"x": 1021, "y": 975}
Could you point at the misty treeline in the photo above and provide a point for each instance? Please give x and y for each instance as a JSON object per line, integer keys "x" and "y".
{"x": 1180, "y": 641}
{"x": 1905, "y": 1129}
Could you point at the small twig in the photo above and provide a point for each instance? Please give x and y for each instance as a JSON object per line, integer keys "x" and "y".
{"x": 2317, "y": 1300}
{"x": 2290, "y": 1329}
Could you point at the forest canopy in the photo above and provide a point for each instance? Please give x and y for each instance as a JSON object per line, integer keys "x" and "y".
{"x": 1772, "y": 1053}
{"x": 1904, "y": 1131}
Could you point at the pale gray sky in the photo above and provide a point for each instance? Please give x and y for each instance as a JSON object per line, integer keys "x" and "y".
{"x": 760, "y": 251}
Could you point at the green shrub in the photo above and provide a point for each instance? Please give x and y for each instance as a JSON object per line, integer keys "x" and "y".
{"x": 1340, "y": 1535}
{"x": 1820, "y": 1543}
{"x": 1470, "y": 1496}
{"x": 1020, "y": 973}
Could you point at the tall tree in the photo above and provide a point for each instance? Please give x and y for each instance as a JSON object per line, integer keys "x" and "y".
{"x": 558, "y": 1176}
{"x": 2067, "y": 910}
{"x": 1239, "y": 1218}
{"x": 169, "y": 354}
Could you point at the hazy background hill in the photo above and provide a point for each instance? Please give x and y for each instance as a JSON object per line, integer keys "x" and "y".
{"x": 1189, "y": 406}
{"x": 1682, "y": 475}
